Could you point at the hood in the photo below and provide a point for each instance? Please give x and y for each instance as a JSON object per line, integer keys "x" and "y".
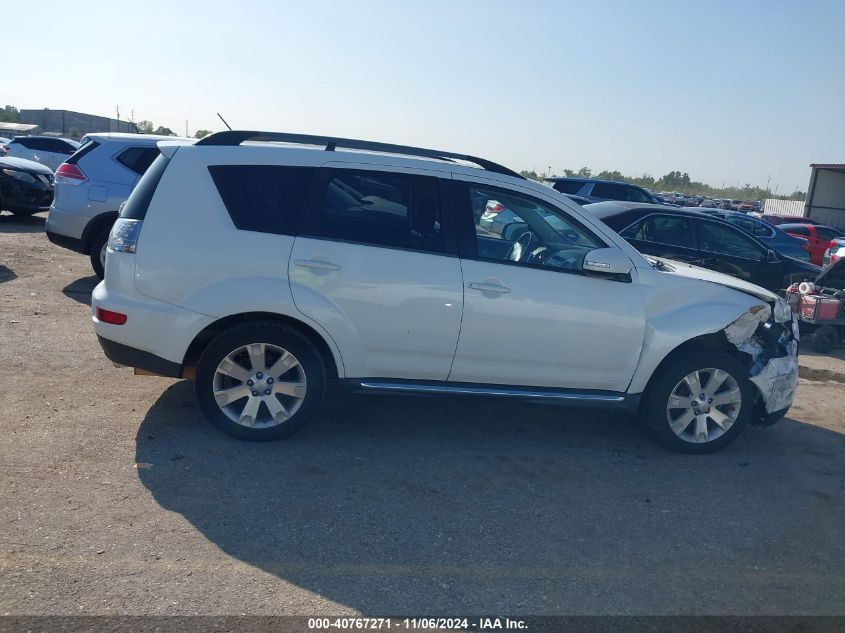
{"x": 22, "y": 164}
{"x": 695, "y": 272}
{"x": 833, "y": 276}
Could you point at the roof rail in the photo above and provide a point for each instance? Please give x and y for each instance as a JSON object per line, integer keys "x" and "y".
{"x": 236, "y": 137}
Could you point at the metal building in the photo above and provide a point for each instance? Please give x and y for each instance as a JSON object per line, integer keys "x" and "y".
{"x": 826, "y": 194}
{"x": 73, "y": 124}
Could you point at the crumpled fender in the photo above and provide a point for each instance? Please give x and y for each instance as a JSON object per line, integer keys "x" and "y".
{"x": 773, "y": 351}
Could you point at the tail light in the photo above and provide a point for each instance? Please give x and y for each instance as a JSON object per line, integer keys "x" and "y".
{"x": 494, "y": 207}
{"x": 70, "y": 174}
{"x": 124, "y": 235}
{"x": 107, "y": 316}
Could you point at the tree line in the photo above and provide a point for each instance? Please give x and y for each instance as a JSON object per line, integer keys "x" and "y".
{"x": 677, "y": 181}
{"x": 147, "y": 127}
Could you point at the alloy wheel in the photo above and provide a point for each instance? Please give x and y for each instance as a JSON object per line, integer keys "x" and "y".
{"x": 259, "y": 385}
{"x": 704, "y": 405}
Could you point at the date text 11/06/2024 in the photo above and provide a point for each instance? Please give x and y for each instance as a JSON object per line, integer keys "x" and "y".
{"x": 417, "y": 624}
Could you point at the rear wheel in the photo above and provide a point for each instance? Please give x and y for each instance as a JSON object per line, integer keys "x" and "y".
{"x": 699, "y": 402}
{"x": 825, "y": 338}
{"x": 24, "y": 213}
{"x": 98, "y": 252}
{"x": 260, "y": 381}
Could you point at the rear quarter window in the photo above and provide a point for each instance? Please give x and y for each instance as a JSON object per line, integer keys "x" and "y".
{"x": 264, "y": 198}
{"x": 138, "y": 159}
{"x": 139, "y": 201}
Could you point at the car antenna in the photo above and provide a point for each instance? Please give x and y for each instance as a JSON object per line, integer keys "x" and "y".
{"x": 224, "y": 121}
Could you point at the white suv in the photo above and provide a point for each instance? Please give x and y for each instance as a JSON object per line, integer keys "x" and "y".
{"x": 263, "y": 265}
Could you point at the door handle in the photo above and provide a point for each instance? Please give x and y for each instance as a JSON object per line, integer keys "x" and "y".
{"x": 316, "y": 264}
{"x": 485, "y": 287}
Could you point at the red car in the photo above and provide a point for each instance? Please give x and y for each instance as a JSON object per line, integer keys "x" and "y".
{"x": 819, "y": 238}
{"x": 786, "y": 219}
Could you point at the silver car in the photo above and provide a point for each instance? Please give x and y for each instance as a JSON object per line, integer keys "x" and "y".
{"x": 90, "y": 187}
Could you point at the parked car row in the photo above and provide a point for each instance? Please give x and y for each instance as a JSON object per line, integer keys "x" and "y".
{"x": 784, "y": 243}
{"x": 703, "y": 240}
{"x": 50, "y": 151}
{"x": 820, "y": 238}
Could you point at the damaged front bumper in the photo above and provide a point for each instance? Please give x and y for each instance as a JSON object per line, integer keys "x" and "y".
{"x": 769, "y": 335}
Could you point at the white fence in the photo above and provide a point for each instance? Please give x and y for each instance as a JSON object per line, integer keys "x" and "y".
{"x": 783, "y": 207}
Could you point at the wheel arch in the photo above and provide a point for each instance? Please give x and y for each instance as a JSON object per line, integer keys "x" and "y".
{"x": 715, "y": 341}
{"x": 94, "y": 226}
{"x": 330, "y": 356}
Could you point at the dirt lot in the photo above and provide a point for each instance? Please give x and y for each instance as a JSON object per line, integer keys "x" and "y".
{"x": 118, "y": 498}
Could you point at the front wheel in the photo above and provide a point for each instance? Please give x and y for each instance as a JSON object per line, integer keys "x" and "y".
{"x": 260, "y": 381}
{"x": 699, "y": 402}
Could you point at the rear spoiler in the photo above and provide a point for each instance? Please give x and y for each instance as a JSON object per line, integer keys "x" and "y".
{"x": 168, "y": 148}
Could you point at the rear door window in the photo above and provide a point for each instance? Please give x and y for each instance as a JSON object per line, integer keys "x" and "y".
{"x": 826, "y": 233}
{"x": 264, "y": 198}
{"x": 632, "y": 194}
{"x": 796, "y": 229}
{"x": 727, "y": 240}
{"x": 381, "y": 209}
{"x": 138, "y": 159}
{"x": 610, "y": 190}
{"x": 662, "y": 229}
{"x": 568, "y": 186}
{"x": 758, "y": 229}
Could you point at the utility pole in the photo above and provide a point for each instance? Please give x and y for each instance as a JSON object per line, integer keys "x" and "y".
{"x": 186, "y": 127}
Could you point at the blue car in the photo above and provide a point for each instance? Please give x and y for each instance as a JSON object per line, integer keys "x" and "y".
{"x": 770, "y": 235}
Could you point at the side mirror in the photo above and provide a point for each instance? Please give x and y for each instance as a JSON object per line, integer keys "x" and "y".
{"x": 771, "y": 257}
{"x": 607, "y": 261}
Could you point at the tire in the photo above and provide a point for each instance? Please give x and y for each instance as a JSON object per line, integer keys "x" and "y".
{"x": 722, "y": 422}
{"x": 24, "y": 213}
{"x": 226, "y": 367}
{"x": 825, "y": 339}
{"x": 97, "y": 252}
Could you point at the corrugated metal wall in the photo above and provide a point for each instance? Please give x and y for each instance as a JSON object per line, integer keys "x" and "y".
{"x": 73, "y": 124}
{"x": 783, "y": 207}
{"x": 826, "y": 203}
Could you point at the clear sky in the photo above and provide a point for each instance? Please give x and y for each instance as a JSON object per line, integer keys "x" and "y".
{"x": 729, "y": 91}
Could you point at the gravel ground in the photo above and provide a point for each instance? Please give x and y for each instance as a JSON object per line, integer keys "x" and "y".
{"x": 118, "y": 498}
